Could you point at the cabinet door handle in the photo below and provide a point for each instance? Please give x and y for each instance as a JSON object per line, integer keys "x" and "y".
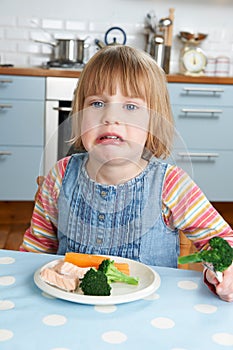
{"x": 3, "y": 106}
{"x": 62, "y": 109}
{"x": 200, "y": 110}
{"x": 199, "y": 89}
{"x": 198, "y": 155}
{"x": 5, "y": 153}
{"x": 6, "y": 81}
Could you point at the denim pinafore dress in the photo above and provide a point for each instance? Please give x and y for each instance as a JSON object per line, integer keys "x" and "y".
{"x": 121, "y": 220}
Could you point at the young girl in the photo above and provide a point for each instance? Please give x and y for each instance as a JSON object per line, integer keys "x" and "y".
{"x": 118, "y": 197}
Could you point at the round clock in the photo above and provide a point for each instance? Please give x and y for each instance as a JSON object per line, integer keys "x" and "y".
{"x": 192, "y": 61}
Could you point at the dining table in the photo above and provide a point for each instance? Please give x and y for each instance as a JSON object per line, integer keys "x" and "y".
{"x": 180, "y": 314}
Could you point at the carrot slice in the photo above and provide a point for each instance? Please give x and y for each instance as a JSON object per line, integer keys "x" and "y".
{"x": 89, "y": 260}
{"x": 123, "y": 267}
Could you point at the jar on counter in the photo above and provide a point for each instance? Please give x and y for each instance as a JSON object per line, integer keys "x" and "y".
{"x": 222, "y": 66}
{"x": 210, "y": 67}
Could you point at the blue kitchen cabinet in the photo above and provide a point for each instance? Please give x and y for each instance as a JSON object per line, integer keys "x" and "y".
{"x": 203, "y": 146}
{"x": 22, "y": 105}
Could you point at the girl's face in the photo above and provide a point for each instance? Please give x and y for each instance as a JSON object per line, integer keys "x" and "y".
{"x": 114, "y": 128}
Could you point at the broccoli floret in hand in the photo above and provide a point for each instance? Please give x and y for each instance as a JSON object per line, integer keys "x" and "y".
{"x": 114, "y": 275}
{"x": 220, "y": 255}
{"x": 95, "y": 282}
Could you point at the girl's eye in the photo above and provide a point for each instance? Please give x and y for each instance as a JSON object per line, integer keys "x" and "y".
{"x": 130, "y": 107}
{"x": 97, "y": 104}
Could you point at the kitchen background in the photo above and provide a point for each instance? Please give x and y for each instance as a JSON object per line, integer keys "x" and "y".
{"x": 25, "y": 21}
{"x": 22, "y": 22}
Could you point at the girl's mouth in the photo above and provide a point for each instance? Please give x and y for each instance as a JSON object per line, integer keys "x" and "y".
{"x": 109, "y": 139}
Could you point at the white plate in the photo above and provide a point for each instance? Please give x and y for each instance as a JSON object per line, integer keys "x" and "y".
{"x": 149, "y": 281}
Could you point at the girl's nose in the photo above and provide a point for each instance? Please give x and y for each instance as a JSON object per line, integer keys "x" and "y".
{"x": 111, "y": 115}
{"x": 108, "y": 122}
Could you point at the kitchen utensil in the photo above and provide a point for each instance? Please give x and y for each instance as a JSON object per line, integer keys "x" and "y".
{"x": 99, "y": 43}
{"x": 170, "y": 28}
{"x": 71, "y": 50}
{"x": 168, "y": 40}
{"x": 218, "y": 274}
{"x": 157, "y": 49}
{"x": 151, "y": 21}
{"x": 193, "y": 59}
{"x": 107, "y": 41}
{"x": 67, "y": 50}
{"x": 164, "y": 23}
{"x": 114, "y": 42}
{"x": 193, "y": 37}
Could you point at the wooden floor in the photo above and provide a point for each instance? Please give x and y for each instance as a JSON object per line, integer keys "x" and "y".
{"x": 15, "y": 219}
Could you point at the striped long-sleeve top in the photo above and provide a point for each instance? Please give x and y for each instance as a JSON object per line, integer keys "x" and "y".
{"x": 184, "y": 207}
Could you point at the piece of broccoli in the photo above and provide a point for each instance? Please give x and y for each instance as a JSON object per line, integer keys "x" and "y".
{"x": 114, "y": 275}
{"x": 220, "y": 255}
{"x": 95, "y": 282}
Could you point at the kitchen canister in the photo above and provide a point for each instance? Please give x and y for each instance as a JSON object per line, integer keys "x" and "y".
{"x": 157, "y": 49}
{"x": 222, "y": 66}
{"x": 210, "y": 67}
{"x": 160, "y": 52}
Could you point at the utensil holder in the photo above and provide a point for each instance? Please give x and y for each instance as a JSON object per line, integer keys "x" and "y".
{"x": 161, "y": 54}
{"x": 166, "y": 59}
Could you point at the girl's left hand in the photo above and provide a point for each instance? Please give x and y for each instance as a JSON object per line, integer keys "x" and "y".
{"x": 225, "y": 288}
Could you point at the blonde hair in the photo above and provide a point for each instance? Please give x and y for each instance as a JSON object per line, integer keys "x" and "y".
{"x": 138, "y": 76}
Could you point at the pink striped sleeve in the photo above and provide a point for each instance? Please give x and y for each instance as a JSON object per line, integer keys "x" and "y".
{"x": 186, "y": 208}
{"x": 41, "y": 236}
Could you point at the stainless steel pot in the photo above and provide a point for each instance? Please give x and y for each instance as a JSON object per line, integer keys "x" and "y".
{"x": 67, "y": 50}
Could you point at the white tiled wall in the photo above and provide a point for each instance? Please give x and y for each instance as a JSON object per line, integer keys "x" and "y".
{"x": 19, "y": 32}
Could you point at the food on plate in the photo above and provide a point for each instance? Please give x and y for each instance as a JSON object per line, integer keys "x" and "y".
{"x": 66, "y": 268}
{"x": 220, "y": 255}
{"x": 89, "y": 260}
{"x": 97, "y": 281}
{"x": 114, "y": 275}
{"x": 63, "y": 275}
{"x": 89, "y": 280}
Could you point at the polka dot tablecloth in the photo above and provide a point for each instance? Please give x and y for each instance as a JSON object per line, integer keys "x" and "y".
{"x": 181, "y": 315}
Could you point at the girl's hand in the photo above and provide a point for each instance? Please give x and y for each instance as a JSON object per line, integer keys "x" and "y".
{"x": 225, "y": 288}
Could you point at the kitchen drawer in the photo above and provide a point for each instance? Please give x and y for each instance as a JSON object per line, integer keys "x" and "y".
{"x": 201, "y": 94}
{"x": 18, "y": 172}
{"x": 17, "y": 87}
{"x": 204, "y": 127}
{"x": 22, "y": 122}
{"x": 213, "y": 174}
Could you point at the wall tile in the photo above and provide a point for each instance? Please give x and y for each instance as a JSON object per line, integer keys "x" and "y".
{"x": 8, "y": 21}
{"x": 76, "y": 25}
{"x": 99, "y": 26}
{"x": 18, "y": 35}
{"x": 52, "y": 24}
{"x": 28, "y": 47}
{"x": 16, "y": 59}
{"x": 28, "y": 22}
{"x": 8, "y": 46}
{"x": 2, "y": 33}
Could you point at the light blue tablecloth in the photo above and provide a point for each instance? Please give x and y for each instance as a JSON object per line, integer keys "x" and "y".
{"x": 181, "y": 315}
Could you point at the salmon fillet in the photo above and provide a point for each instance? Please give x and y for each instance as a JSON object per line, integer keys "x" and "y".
{"x": 63, "y": 275}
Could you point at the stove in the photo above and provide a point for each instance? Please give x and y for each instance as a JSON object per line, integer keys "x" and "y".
{"x": 61, "y": 64}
